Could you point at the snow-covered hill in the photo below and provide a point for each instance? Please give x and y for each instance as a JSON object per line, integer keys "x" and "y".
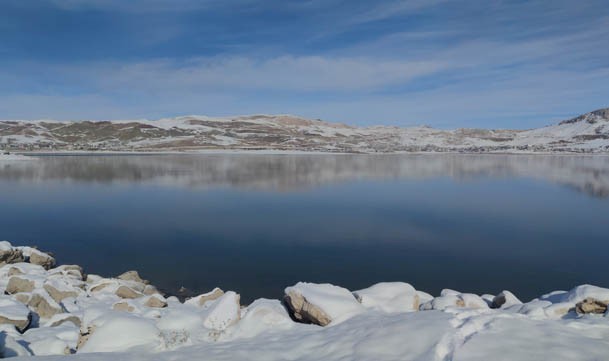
{"x": 586, "y": 133}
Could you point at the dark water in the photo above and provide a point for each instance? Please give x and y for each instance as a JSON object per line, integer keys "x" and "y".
{"x": 258, "y": 223}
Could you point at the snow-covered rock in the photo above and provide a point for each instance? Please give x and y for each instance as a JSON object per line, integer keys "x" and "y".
{"x": 14, "y": 313}
{"x": 120, "y": 334}
{"x": 389, "y": 297}
{"x": 505, "y": 299}
{"x": 321, "y": 303}
{"x": 223, "y": 312}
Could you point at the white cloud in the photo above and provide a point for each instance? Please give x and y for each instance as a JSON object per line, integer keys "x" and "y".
{"x": 284, "y": 73}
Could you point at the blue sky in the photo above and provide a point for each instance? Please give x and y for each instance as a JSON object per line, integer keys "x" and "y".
{"x": 445, "y": 63}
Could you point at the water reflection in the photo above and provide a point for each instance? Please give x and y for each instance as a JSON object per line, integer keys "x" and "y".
{"x": 588, "y": 174}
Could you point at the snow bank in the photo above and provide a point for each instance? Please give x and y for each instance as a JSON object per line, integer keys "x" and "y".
{"x": 383, "y": 322}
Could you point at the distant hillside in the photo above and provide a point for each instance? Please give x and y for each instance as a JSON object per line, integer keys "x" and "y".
{"x": 587, "y": 133}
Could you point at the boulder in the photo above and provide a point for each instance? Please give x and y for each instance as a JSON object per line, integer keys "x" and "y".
{"x": 443, "y": 302}
{"x": 223, "y": 312}
{"x": 156, "y": 301}
{"x": 591, "y": 305}
{"x": 505, "y": 299}
{"x": 73, "y": 271}
{"x": 123, "y": 306}
{"x": 126, "y": 292}
{"x": 23, "y": 297}
{"x": 9, "y": 254}
{"x": 320, "y": 303}
{"x": 151, "y": 290}
{"x": 14, "y": 313}
{"x": 42, "y": 303}
{"x": 202, "y": 299}
{"x": 42, "y": 259}
{"x": 389, "y": 297}
{"x": 17, "y": 284}
{"x": 132, "y": 276}
{"x": 59, "y": 290}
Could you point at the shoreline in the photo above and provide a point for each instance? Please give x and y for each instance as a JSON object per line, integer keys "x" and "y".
{"x": 285, "y": 152}
{"x": 47, "y": 309}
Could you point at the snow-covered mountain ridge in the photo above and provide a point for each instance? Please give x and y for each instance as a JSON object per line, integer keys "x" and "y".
{"x": 588, "y": 133}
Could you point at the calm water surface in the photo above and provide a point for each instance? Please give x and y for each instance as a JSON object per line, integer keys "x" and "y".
{"x": 259, "y": 223}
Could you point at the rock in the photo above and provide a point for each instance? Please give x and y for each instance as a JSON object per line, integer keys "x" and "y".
{"x": 126, "y": 292}
{"x": 60, "y": 319}
{"x": 100, "y": 286}
{"x": 18, "y": 284}
{"x": 74, "y": 271}
{"x": 42, "y": 303}
{"x": 14, "y": 313}
{"x": 223, "y": 312}
{"x": 23, "y": 297}
{"x": 591, "y": 305}
{"x": 580, "y": 293}
{"x": 14, "y": 271}
{"x": 151, "y": 290}
{"x": 123, "y": 306}
{"x": 132, "y": 276}
{"x": 9, "y": 255}
{"x": 320, "y": 303}
{"x": 442, "y": 302}
{"x": 59, "y": 290}
{"x": 84, "y": 337}
{"x": 156, "y": 301}
{"x": 473, "y": 301}
{"x": 42, "y": 259}
{"x": 505, "y": 299}
{"x": 389, "y": 297}
{"x": 202, "y": 299}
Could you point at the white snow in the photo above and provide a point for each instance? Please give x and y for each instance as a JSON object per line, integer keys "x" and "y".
{"x": 390, "y": 297}
{"x": 385, "y": 326}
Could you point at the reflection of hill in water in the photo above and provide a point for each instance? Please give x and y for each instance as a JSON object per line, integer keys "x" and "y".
{"x": 589, "y": 174}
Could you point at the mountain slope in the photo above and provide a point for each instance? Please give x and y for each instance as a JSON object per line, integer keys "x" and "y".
{"x": 586, "y": 133}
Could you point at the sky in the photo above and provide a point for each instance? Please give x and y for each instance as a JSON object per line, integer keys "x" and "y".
{"x": 444, "y": 63}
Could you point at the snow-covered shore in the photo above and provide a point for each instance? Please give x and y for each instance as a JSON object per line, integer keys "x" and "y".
{"x": 15, "y": 157}
{"x": 59, "y": 310}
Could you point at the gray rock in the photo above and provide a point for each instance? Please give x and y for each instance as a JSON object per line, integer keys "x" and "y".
{"x": 505, "y": 299}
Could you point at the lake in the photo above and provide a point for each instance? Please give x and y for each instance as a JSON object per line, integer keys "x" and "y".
{"x": 257, "y": 223}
